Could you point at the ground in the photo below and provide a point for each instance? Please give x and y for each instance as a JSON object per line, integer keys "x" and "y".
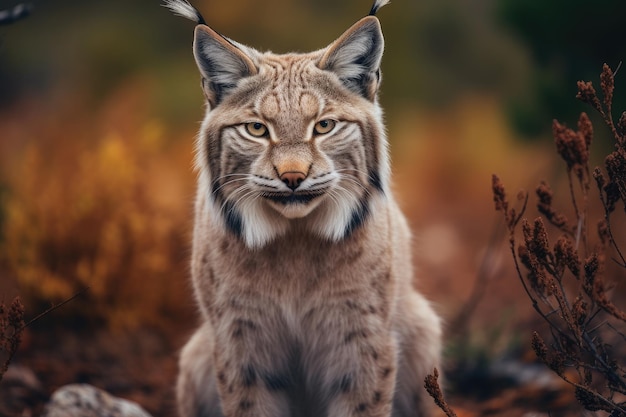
{"x": 141, "y": 366}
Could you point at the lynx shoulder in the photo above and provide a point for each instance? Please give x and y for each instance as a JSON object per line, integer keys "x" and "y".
{"x": 301, "y": 261}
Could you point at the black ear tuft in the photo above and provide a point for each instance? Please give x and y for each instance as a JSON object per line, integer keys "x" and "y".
{"x": 184, "y": 9}
{"x": 15, "y": 13}
{"x": 377, "y": 5}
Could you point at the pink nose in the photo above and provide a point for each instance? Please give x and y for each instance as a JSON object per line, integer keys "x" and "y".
{"x": 292, "y": 179}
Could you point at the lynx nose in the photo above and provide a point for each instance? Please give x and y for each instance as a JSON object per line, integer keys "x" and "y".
{"x": 292, "y": 179}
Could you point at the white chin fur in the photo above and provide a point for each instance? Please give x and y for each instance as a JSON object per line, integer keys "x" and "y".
{"x": 295, "y": 210}
{"x": 260, "y": 224}
{"x": 264, "y": 221}
{"x": 331, "y": 220}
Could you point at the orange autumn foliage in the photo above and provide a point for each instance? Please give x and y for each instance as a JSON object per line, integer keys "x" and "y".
{"x": 103, "y": 205}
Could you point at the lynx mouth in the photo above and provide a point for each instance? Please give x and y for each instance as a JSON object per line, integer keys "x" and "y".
{"x": 292, "y": 198}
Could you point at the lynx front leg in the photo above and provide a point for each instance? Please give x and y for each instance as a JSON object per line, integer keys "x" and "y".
{"x": 250, "y": 356}
{"x": 419, "y": 333}
{"x": 196, "y": 389}
{"x": 352, "y": 356}
{"x": 364, "y": 375}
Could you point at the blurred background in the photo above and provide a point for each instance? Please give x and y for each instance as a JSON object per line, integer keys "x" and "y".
{"x": 99, "y": 105}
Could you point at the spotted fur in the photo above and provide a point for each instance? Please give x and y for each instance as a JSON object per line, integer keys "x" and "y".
{"x": 301, "y": 258}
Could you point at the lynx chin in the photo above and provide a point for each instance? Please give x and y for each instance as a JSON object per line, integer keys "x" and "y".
{"x": 301, "y": 260}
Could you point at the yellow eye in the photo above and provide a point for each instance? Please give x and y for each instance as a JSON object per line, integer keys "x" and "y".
{"x": 256, "y": 129}
{"x": 324, "y": 126}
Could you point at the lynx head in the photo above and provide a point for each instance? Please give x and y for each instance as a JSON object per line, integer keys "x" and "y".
{"x": 291, "y": 140}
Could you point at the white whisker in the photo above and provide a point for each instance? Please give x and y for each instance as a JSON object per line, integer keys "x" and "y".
{"x": 235, "y": 195}
{"x": 333, "y": 195}
{"x": 355, "y": 182}
{"x": 241, "y": 200}
{"x": 230, "y": 182}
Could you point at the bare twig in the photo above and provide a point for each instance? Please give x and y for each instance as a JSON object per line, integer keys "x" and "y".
{"x": 459, "y": 325}
{"x": 12, "y": 325}
{"x": 54, "y": 307}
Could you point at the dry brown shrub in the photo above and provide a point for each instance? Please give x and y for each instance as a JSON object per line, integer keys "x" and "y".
{"x": 568, "y": 283}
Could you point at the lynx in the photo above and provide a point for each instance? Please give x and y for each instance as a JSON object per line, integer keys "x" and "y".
{"x": 301, "y": 259}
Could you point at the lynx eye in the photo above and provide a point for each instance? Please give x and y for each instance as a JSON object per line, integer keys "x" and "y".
{"x": 324, "y": 126}
{"x": 256, "y": 129}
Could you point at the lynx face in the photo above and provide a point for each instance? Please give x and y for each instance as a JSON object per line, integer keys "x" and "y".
{"x": 286, "y": 142}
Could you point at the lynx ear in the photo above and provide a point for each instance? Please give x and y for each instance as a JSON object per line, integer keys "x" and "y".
{"x": 355, "y": 57}
{"x": 222, "y": 63}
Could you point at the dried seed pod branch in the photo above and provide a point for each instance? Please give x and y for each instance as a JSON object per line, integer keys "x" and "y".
{"x": 612, "y": 186}
{"x": 11, "y": 327}
{"x": 12, "y": 324}
{"x": 434, "y": 390}
{"x": 533, "y": 283}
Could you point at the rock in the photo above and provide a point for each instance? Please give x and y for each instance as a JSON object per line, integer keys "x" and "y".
{"x": 83, "y": 400}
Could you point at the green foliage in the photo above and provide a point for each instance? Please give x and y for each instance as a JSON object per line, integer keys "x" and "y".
{"x": 567, "y": 40}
